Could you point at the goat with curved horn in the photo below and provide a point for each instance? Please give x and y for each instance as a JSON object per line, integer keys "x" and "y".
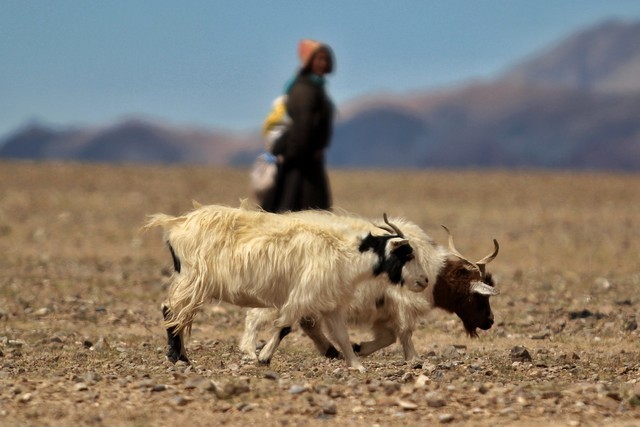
{"x": 391, "y": 227}
{"x": 481, "y": 265}
{"x": 453, "y": 249}
{"x": 486, "y": 260}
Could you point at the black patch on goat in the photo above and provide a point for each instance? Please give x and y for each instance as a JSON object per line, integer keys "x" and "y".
{"x": 176, "y": 260}
{"x": 332, "y": 353}
{"x": 174, "y": 340}
{"x": 394, "y": 263}
{"x": 284, "y": 332}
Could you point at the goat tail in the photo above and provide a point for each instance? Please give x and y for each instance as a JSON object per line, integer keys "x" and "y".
{"x": 159, "y": 220}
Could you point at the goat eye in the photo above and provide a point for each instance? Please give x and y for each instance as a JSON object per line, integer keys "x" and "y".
{"x": 462, "y": 273}
{"x": 410, "y": 257}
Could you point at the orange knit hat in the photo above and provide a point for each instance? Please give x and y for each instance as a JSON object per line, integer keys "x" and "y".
{"x": 308, "y": 47}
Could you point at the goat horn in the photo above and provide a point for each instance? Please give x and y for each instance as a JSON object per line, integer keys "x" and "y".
{"x": 453, "y": 249}
{"x": 393, "y": 227}
{"x": 492, "y": 256}
{"x": 486, "y": 260}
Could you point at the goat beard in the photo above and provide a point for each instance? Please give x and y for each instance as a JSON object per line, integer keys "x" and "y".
{"x": 471, "y": 331}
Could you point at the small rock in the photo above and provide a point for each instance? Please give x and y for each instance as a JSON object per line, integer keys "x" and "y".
{"x": 329, "y": 408}
{"x": 246, "y": 407}
{"x": 231, "y": 388}
{"x": 207, "y": 385}
{"x": 541, "y": 335}
{"x": 630, "y": 324}
{"x": 484, "y": 388}
{"x": 270, "y": 375}
{"x": 450, "y": 352}
{"x": 421, "y": 381}
{"x": 25, "y": 398}
{"x": 435, "y": 400}
{"x": 391, "y": 387}
{"x": 101, "y": 345}
{"x": 180, "y": 400}
{"x": 80, "y": 387}
{"x": 406, "y": 405}
{"x": 193, "y": 382}
{"x": 446, "y": 418}
{"x": 603, "y": 282}
{"x": 158, "y": 387}
{"x": 520, "y": 354}
{"x": 41, "y": 312}
{"x": 297, "y": 389}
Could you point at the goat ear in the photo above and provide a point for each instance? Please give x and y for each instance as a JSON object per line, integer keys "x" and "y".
{"x": 484, "y": 289}
{"x": 396, "y": 243}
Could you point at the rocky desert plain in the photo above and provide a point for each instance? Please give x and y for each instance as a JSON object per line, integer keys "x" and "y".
{"x": 82, "y": 340}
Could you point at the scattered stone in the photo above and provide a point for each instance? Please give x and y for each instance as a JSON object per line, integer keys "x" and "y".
{"x": 520, "y": 354}
{"x": 180, "y": 400}
{"x": 208, "y": 385}
{"x": 231, "y": 388}
{"x": 446, "y": 418}
{"x": 80, "y": 387}
{"x": 603, "y": 282}
{"x": 435, "y": 400}
{"x": 158, "y": 388}
{"x": 484, "y": 388}
{"x": 329, "y": 408}
{"x": 584, "y": 314}
{"x": 421, "y": 381}
{"x": 91, "y": 377}
{"x": 297, "y": 389}
{"x": 246, "y": 407}
{"x": 41, "y": 312}
{"x": 270, "y": 375}
{"x": 450, "y": 352}
{"x": 541, "y": 335}
{"x": 630, "y": 324}
{"x": 101, "y": 345}
{"x": 406, "y": 405}
{"x": 193, "y": 382}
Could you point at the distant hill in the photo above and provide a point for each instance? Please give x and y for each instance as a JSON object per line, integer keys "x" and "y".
{"x": 575, "y": 105}
{"x": 132, "y": 141}
{"x": 605, "y": 58}
{"x": 496, "y": 125}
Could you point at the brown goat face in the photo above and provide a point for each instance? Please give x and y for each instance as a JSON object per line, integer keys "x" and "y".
{"x": 454, "y": 292}
{"x": 475, "y": 311}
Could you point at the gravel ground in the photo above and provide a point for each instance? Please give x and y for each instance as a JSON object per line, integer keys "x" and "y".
{"x": 81, "y": 339}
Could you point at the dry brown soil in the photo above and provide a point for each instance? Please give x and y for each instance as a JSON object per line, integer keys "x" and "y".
{"x": 81, "y": 338}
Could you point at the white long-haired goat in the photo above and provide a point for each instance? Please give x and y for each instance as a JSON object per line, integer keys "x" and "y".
{"x": 303, "y": 268}
{"x": 457, "y": 285}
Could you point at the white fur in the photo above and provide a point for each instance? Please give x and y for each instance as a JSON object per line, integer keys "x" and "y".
{"x": 300, "y": 266}
{"x": 402, "y": 310}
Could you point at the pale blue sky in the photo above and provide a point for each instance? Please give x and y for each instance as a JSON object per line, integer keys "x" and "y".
{"x": 218, "y": 64}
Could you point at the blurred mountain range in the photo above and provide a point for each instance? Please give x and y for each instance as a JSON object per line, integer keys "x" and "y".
{"x": 575, "y": 105}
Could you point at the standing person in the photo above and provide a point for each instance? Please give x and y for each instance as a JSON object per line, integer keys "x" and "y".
{"x": 302, "y": 181}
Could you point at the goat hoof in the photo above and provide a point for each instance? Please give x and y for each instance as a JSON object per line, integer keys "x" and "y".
{"x": 264, "y": 362}
{"x": 174, "y": 357}
{"x": 332, "y": 353}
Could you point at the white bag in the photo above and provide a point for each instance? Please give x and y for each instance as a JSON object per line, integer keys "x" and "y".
{"x": 263, "y": 173}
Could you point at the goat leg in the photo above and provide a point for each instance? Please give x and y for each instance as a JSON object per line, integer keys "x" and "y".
{"x": 176, "y": 350}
